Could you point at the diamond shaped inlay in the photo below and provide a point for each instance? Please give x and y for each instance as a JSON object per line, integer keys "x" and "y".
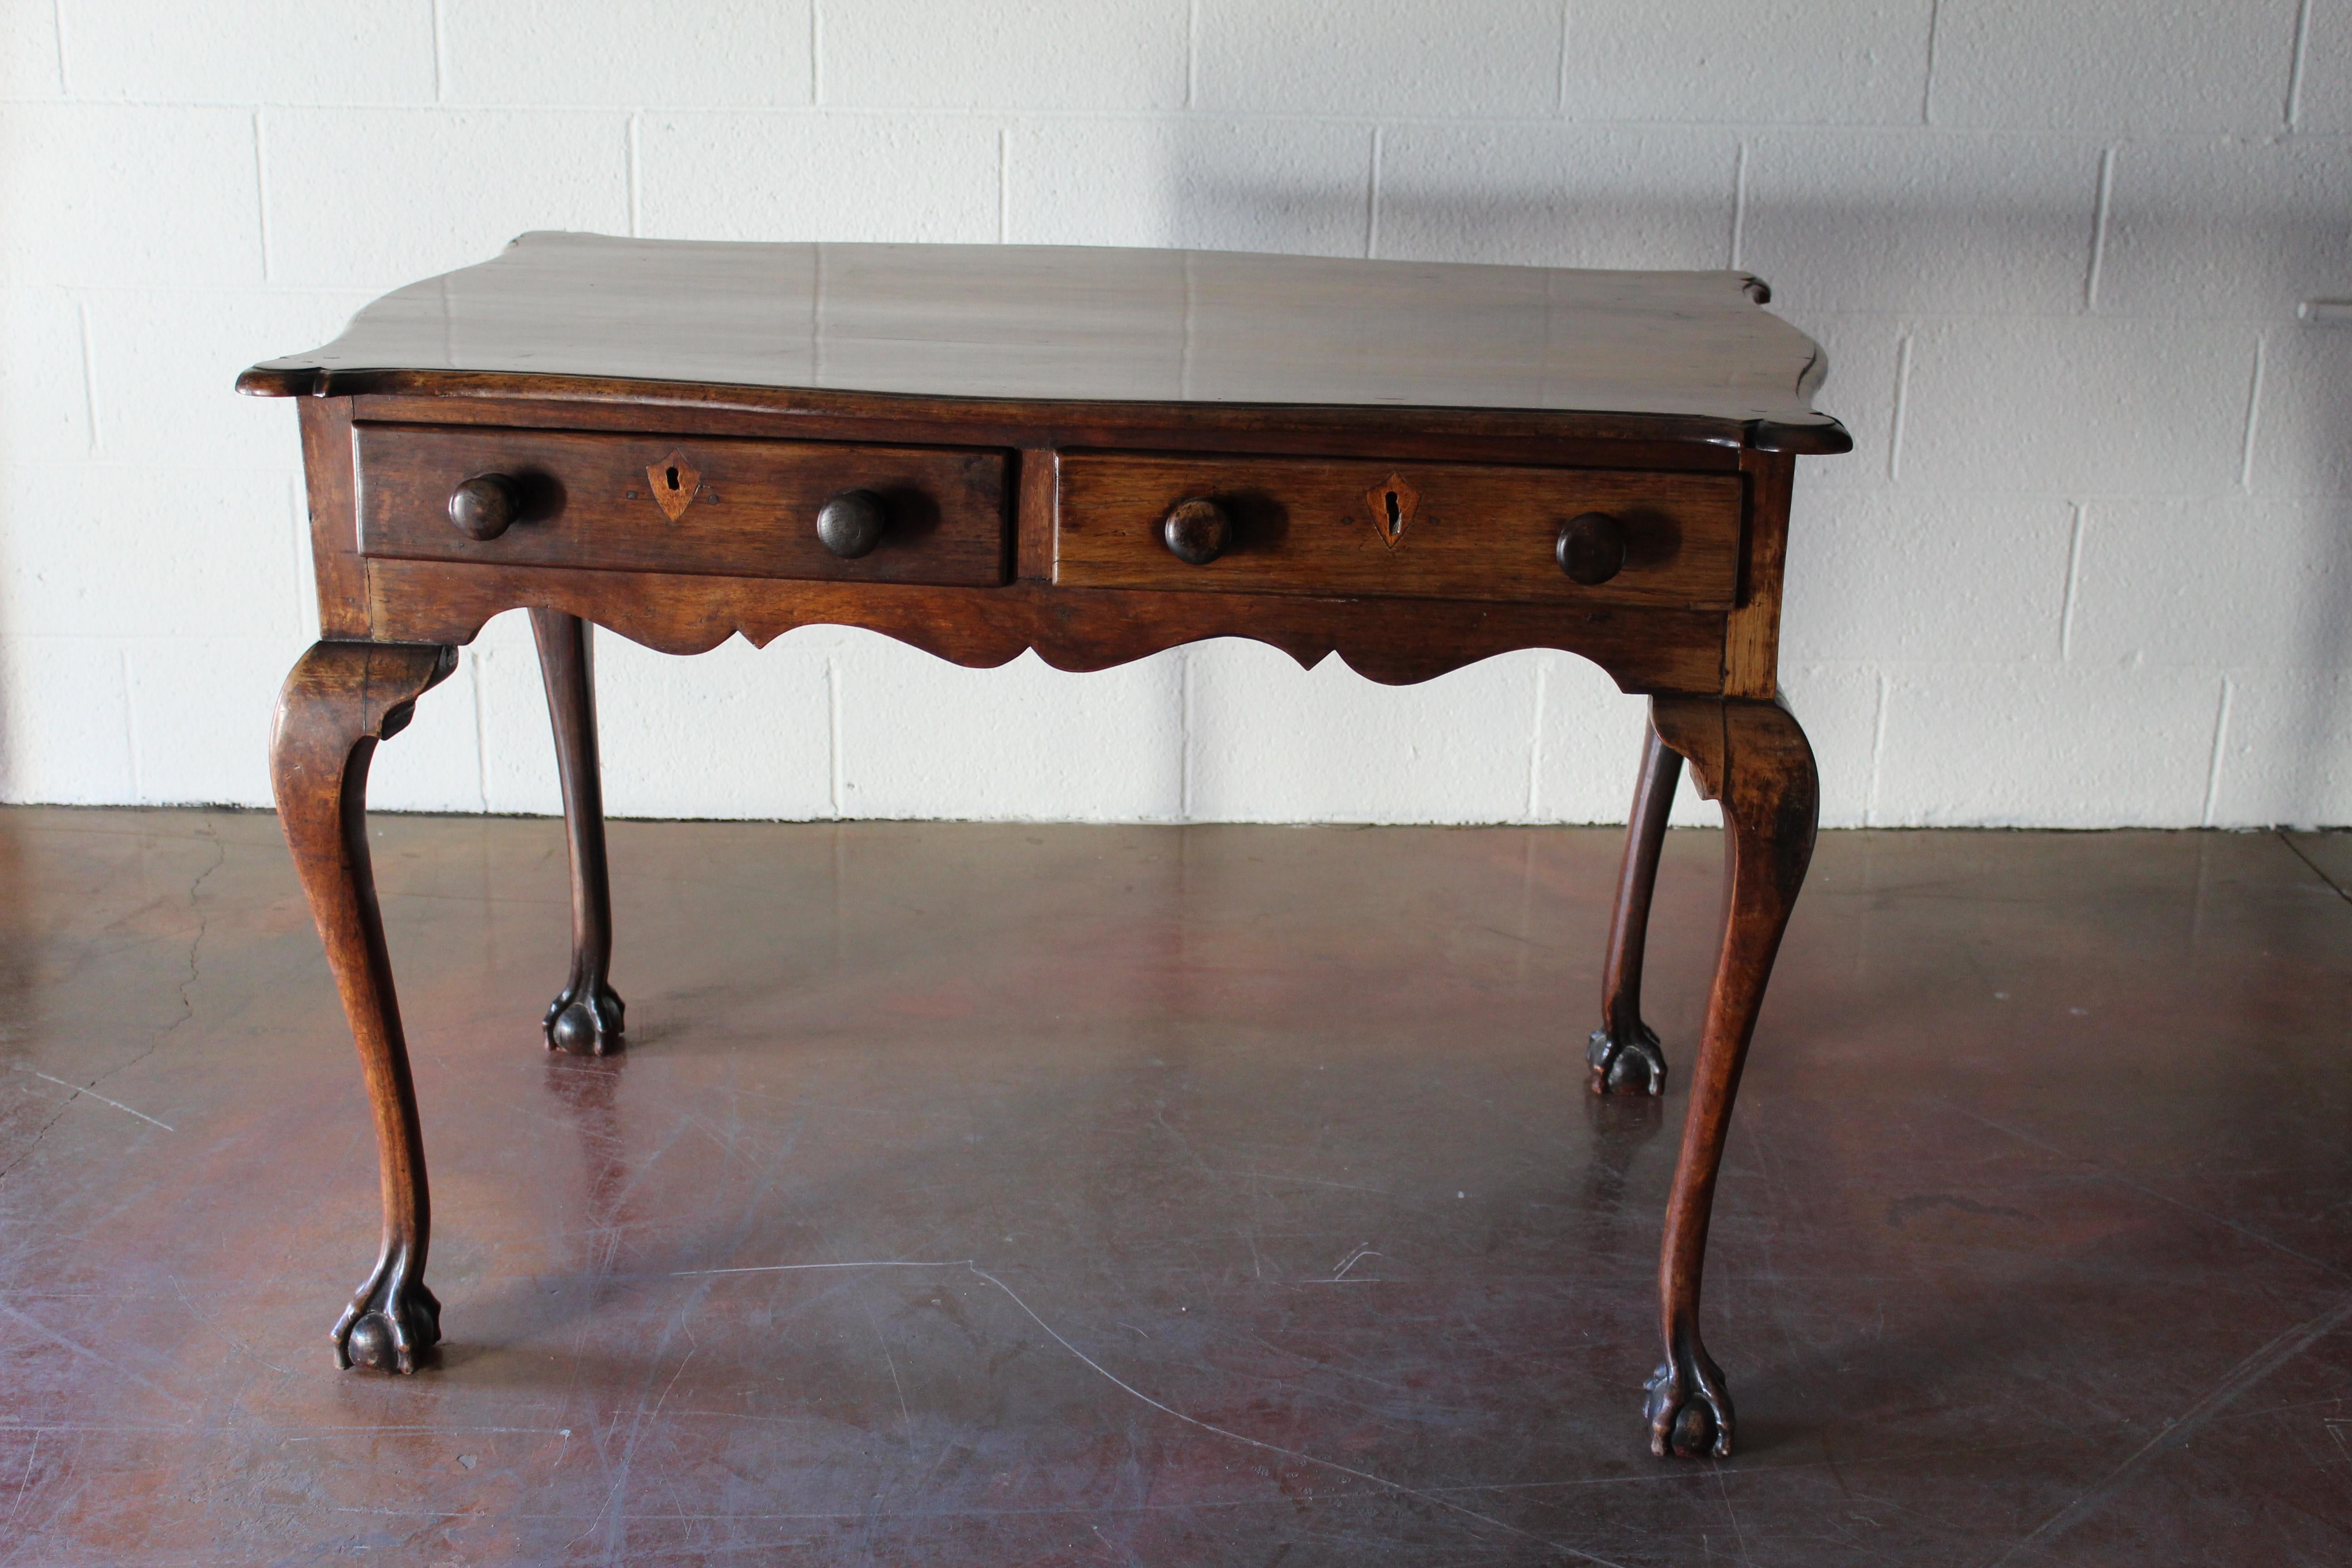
{"x": 1393, "y": 502}
{"x": 674, "y": 480}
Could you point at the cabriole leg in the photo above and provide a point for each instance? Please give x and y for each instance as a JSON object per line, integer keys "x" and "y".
{"x": 1751, "y": 756}
{"x": 340, "y": 701}
{"x": 1624, "y": 1053}
{"x": 585, "y": 1016}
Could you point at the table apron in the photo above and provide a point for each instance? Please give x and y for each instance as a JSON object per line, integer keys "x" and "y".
{"x": 1395, "y": 642}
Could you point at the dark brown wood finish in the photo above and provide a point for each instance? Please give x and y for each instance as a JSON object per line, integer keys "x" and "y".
{"x": 1079, "y": 629}
{"x": 1029, "y": 324}
{"x": 1625, "y": 1054}
{"x": 585, "y": 1018}
{"x": 746, "y": 508}
{"x": 334, "y": 533}
{"x": 1752, "y": 757}
{"x": 340, "y": 701}
{"x": 1420, "y": 531}
{"x": 1095, "y": 455}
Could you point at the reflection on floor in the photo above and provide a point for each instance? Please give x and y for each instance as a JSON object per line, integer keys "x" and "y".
{"x": 1225, "y": 1194}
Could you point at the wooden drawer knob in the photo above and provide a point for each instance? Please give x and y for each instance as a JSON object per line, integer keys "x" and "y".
{"x": 1197, "y": 531}
{"x": 485, "y": 506}
{"x": 851, "y": 524}
{"x": 1592, "y": 548}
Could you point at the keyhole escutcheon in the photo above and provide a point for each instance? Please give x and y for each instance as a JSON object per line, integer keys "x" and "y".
{"x": 675, "y": 482}
{"x": 1393, "y": 502}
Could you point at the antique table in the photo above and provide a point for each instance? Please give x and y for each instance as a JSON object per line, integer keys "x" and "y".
{"x": 1096, "y": 454}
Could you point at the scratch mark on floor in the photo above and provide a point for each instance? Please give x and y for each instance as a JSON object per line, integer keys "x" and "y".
{"x": 906, "y": 1419}
{"x": 1132, "y": 1391}
{"x": 2111, "y": 1173}
{"x": 332, "y": 1433}
{"x": 2177, "y": 1433}
{"x": 1738, "y": 1536}
{"x": 796, "y": 1267}
{"x": 83, "y": 1350}
{"x": 1249, "y": 1233}
{"x": 629, "y": 1449}
{"x": 237, "y": 1345}
{"x": 85, "y": 1089}
{"x": 1303, "y": 1180}
{"x": 187, "y": 1011}
{"x": 24, "y": 1483}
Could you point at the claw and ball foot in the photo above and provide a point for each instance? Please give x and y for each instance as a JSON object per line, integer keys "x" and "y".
{"x": 1752, "y": 756}
{"x": 584, "y": 1020}
{"x": 585, "y": 1016}
{"x": 342, "y": 699}
{"x": 392, "y": 1318}
{"x": 1627, "y": 1062}
{"x": 1624, "y": 1053}
{"x": 1689, "y": 1409}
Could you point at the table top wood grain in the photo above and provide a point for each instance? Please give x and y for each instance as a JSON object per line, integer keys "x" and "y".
{"x": 580, "y": 314}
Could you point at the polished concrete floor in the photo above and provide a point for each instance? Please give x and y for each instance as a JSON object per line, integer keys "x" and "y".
{"x": 1025, "y": 1196}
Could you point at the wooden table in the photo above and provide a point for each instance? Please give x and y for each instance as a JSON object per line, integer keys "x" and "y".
{"x": 1096, "y": 454}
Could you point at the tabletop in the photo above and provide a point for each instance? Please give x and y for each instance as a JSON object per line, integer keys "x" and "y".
{"x": 1074, "y": 324}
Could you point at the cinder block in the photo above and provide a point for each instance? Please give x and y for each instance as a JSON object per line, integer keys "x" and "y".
{"x": 30, "y": 63}
{"x": 517, "y": 748}
{"x": 1827, "y": 62}
{"x": 65, "y": 722}
{"x": 626, "y": 53}
{"x": 2243, "y": 229}
{"x": 923, "y": 738}
{"x": 150, "y": 552}
{"x": 1838, "y": 705}
{"x": 1558, "y": 196}
{"x": 739, "y": 733}
{"x": 2230, "y": 582}
{"x": 249, "y": 51}
{"x": 2076, "y": 406}
{"x": 1009, "y": 55}
{"x": 1926, "y": 579}
{"x": 199, "y": 715}
{"x": 375, "y": 198}
{"x": 2044, "y": 746}
{"x": 1203, "y": 184}
{"x": 44, "y": 399}
{"x": 164, "y": 364}
{"x": 818, "y": 176}
{"x": 1884, "y": 221}
{"x": 1865, "y": 354}
{"x": 2093, "y": 66}
{"x": 2324, "y": 103}
{"x": 435, "y": 764}
{"x": 1410, "y": 58}
{"x": 128, "y": 196}
{"x": 1588, "y": 743}
{"x": 1269, "y": 742}
{"x": 2284, "y": 760}
{"x": 2303, "y": 418}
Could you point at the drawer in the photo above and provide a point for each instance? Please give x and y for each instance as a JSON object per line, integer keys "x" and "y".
{"x": 667, "y": 503}
{"x": 1442, "y": 531}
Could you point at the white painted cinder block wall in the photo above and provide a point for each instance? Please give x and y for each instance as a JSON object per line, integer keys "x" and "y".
{"x": 2086, "y": 566}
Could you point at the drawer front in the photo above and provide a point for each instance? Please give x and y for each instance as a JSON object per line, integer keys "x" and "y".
{"x": 1420, "y": 530}
{"x": 667, "y": 503}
